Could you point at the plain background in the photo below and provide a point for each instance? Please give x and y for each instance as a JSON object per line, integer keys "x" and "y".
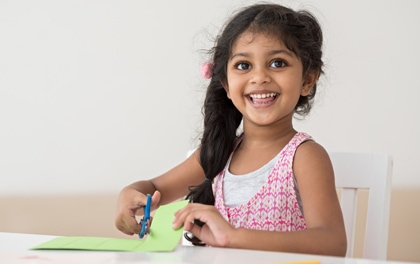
{"x": 97, "y": 94}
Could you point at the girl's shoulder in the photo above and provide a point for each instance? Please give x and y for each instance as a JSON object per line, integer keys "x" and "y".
{"x": 309, "y": 149}
{"x": 308, "y": 145}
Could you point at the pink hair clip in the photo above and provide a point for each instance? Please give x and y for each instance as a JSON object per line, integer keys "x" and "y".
{"x": 207, "y": 70}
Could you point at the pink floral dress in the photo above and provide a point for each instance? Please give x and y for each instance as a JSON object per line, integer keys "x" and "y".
{"x": 275, "y": 207}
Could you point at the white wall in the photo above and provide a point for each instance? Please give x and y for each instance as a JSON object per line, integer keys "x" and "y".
{"x": 97, "y": 94}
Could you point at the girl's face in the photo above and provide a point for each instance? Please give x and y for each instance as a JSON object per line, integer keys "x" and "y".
{"x": 265, "y": 79}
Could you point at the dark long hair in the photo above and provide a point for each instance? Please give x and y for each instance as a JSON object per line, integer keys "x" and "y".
{"x": 299, "y": 31}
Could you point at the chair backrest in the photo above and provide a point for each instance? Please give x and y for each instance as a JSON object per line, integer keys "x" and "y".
{"x": 371, "y": 171}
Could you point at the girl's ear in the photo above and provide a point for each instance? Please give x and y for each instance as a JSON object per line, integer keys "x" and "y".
{"x": 226, "y": 87}
{"x": 309, "y": 81}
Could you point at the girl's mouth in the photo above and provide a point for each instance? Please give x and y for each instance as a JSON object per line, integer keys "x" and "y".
{"x": 262, "y": 99}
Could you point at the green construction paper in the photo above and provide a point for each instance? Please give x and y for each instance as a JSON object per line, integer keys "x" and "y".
{"x": 162, "y": 236}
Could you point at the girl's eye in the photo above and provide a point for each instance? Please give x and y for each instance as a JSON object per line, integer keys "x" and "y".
{"x": 278, "y": 64}
{"x": 243, "y": 66}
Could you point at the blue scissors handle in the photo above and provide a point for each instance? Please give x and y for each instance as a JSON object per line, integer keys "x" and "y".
{"x": 145, "y": 221}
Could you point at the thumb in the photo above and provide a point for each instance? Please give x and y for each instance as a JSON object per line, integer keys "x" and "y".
{"x": 156, "y": 199}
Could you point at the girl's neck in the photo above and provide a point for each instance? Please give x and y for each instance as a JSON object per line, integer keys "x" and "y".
{"x": 258, "y": 146}
{"x": 262, "y": 137}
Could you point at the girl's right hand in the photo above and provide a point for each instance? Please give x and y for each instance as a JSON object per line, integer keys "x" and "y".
{"x": 130, "y": 204}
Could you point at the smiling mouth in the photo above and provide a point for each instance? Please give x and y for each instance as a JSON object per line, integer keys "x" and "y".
{"x": 265, "y": 98}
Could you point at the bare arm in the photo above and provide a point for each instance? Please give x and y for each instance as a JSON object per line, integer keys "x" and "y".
{"x": 165, "y": 188}
{"x": 325, "y": 228}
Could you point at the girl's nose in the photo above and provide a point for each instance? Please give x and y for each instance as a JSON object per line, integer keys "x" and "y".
{"x": 260, "y": 75}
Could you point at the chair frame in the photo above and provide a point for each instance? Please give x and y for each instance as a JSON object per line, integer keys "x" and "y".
{"x": 372, "y": 171}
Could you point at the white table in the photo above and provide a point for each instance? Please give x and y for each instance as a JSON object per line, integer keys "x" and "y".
{"x": 14, "y": 249}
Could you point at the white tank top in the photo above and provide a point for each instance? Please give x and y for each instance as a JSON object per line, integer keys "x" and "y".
{"x": 239, "y": 189}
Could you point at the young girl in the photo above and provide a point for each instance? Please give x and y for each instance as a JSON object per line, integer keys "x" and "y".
{"x": 270, "y": 187}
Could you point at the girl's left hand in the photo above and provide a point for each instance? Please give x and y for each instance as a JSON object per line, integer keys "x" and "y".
{"x": 216, "y": 231}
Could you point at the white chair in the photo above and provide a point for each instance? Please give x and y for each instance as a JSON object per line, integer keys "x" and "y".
{"x": 372, "y": 171}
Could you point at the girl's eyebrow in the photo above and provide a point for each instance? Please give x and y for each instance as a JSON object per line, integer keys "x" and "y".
{"x": 282, "y": 51}
{"x": 240, "y": 54}
{"x": 271, "y": 53}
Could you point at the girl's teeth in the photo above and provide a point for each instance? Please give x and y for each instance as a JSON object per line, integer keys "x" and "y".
{"x": 262, "y": 96}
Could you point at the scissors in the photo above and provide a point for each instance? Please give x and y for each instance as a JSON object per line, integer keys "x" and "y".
{"x": 145, "y": 221}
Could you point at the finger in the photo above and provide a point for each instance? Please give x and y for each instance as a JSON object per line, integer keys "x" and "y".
{"x": 125, "y": 230}
{"x": 140, "y": 203}
{"x": 137, "y": 204}
{"x": 194, "y": 229}
{"x": 181, "y": 215}
{"x": 120, "y": 225}
{"x": 188, "y": 215}
{"x": 128, "y": 226}
{"x": 122, "y": 221}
